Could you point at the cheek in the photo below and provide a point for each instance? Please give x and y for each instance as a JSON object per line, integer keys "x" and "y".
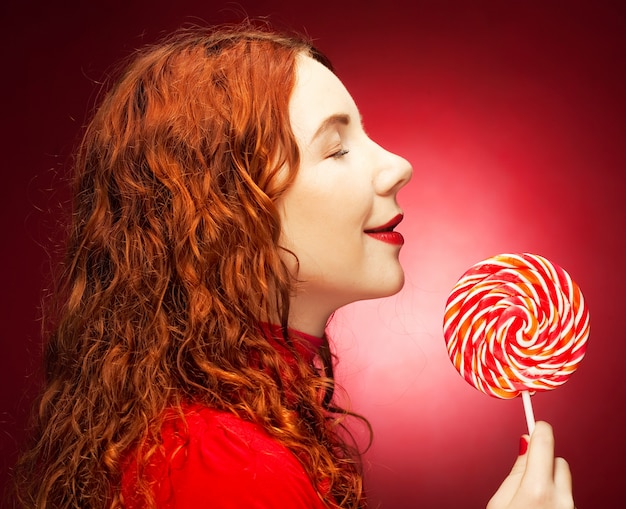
{"x": 326, "y": 209}
{"x": 316, "y": 200}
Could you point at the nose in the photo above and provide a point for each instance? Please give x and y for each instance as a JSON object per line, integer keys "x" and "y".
{"x": 393, "y": 172}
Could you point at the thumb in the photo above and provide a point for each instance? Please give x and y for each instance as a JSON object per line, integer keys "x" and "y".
{"x": 509, "y": 487}
{"x": 519, "y": 467}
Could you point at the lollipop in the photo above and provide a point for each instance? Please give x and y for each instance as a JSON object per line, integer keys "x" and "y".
{"x": 516, "y": 324}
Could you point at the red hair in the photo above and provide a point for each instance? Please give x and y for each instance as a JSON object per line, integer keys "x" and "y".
{"x": 172, "y": 262}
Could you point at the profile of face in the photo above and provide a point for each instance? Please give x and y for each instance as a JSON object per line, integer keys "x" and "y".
{"x": 338, "y": 215}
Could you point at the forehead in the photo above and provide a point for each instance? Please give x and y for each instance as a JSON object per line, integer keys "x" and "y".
{"x": 318, "y": 94}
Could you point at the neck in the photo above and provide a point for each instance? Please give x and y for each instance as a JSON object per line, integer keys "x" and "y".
{"x": 309, "y": 315}
{"x": 309, "y": 312}
{"x": 310, "y": 327}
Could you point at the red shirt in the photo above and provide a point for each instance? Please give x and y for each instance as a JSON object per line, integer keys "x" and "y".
{"x": 222, "y": 462}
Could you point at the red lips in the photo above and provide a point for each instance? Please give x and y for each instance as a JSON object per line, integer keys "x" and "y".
{"x": 385, "y": 232}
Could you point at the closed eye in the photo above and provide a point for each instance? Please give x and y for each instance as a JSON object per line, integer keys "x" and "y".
{"x": 340, "y": 153}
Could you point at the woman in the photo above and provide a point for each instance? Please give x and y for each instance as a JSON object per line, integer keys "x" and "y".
{"x": 227, "y": 202}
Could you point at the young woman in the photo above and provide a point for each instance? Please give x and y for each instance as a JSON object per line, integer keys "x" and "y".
{"x": 227, "y": 202}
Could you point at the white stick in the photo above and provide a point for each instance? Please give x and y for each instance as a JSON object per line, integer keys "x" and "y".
{"x": 528, "y": 410}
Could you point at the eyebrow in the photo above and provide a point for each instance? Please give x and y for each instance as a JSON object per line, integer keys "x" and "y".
{"x": 331, "y": 121}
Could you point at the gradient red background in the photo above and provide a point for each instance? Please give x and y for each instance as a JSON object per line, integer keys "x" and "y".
{"x": 513, "y": 114}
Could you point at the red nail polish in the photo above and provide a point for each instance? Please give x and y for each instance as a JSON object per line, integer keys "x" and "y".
{"x": 523, "y": 446}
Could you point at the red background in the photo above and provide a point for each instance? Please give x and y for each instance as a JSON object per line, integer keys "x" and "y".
{"x": 513, "y": 115}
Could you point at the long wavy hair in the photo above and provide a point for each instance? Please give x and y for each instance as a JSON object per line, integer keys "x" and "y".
{"x": 173, "y": 260}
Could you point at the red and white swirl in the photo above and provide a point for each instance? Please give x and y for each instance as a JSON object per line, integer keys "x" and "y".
{"x": 516, "y": 322}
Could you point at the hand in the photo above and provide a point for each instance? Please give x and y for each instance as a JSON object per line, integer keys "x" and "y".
{"x": 538, "y": 479}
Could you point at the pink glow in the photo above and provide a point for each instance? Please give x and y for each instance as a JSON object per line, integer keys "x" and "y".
{"x": 512, "y": 114}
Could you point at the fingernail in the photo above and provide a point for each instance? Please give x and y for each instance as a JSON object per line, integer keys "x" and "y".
{"x": 523, "y": 446}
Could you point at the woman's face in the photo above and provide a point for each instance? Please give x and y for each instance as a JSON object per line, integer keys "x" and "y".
{"x": 338, "y": 215}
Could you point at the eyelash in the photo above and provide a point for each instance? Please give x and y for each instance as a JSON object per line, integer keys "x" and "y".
{"x": 340, "y": 153}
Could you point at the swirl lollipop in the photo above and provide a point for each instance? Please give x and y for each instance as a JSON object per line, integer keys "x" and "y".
{"x": 516, "y": 324}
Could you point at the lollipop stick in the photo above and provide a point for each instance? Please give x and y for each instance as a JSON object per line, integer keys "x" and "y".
{"x": 528, "y": 410}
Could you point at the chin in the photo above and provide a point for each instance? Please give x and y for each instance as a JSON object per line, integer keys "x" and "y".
{"x": 388, "y": 287}
{"x": 396, "y": 288}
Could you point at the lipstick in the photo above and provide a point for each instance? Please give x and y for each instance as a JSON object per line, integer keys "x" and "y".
{"x": 385, "y": 232}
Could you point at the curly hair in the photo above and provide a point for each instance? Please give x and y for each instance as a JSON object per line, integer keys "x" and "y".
{"x": 172, "y": 262}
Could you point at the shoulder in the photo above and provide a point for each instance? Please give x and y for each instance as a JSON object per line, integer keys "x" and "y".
{"x": 214, "y": 458}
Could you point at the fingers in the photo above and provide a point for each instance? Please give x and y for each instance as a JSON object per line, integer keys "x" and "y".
{"x": 540, "y": 464}
{"x": 537, "y": 479}
{"x": 563, "y": 481}
{"x": 562, "y": 474}
{"x": 546, "y": 478}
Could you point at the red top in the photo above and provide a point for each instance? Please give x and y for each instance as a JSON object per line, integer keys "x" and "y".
{"x": 222, "y": 462}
